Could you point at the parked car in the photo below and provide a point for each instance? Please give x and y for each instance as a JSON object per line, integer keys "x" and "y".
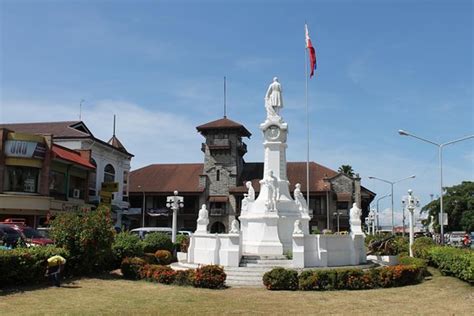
{"x": 31, "y": 236}
{"x": 10, "y": 237}
{"x": 456, "y": 238}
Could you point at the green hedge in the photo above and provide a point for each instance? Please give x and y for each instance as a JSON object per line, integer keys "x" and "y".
{"x": 127, "y": 245}
{"x": 157, "y": 241}
{"x": 26, "y": 265}
{"x": 453, "y": 261}
{"x": 344, "y": 279}
{"x": 421, "y": 247}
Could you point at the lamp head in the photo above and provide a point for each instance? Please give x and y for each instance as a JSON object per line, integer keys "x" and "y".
{"x": 403, "y": 133}
{"x": 370, "y": 177}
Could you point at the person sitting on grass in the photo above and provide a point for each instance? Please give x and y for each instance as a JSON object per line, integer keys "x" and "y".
{"x": 55, "y": 265}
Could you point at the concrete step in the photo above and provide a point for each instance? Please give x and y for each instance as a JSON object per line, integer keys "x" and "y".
{"x": 266, "y": 265}
{"x": 256, "y": 257}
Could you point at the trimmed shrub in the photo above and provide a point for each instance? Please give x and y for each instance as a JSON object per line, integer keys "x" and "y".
{"x": 453, "y": 261}
{"x": 163, "y": 257}
{"x": 317, "y": 280}
{"x": 421, "y": 247}
{"x": 210, "y": 277}
{"x": 26, "y": 265}
{"x": 281, "y": 279}
{"x": 127, "y": 245}
{"x": 131, "y": 268}
{"x": 164, "y": 274}
{"x": 88, "y": 237}
{"x": 149, "y": 258}
{"x": 157, "y": 241}
{"x": 184, "y": 277}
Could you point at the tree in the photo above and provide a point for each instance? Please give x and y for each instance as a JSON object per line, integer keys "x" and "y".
{"x": 458, "y": 202}
{"x": 347, "y": 170}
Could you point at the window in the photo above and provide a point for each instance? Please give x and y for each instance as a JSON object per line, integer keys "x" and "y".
{"x": 21, "y": 179}
{"x": 92, "y": 180}
{"x": 342, "y": 205}
{"x": 125, "y": 183}
{"x": 218, "y": 175}
{"x": 57, "y": 184}
{"x": 109, "y": 173}
{"x": 76, "y": 187}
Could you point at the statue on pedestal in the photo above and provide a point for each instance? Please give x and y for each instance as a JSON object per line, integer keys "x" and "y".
{"x": 299, "y": 199}
{"x": 235, "y": 229}
{"x": 274, "y": 99}
{"x": 354, "y": 219}
{"x": 271, "y": 182}
{"x": 249, "y": 196}
{"x": 203, "y": 219}
{"x": 297, "y": 229}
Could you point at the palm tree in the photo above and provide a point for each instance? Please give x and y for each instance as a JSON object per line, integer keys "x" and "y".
{"x": 347, "y": 170}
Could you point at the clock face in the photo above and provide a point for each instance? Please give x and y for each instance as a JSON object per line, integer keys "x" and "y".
{"x": 273, "y": 132}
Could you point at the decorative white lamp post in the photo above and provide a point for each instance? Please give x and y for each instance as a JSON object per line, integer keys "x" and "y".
{"x": 411, "y": 203}
{"x": 392, "y": 183}
{"x": 174, "y": 202}
{"x": 372, "y": 221}
{"x": 440, "y": 154}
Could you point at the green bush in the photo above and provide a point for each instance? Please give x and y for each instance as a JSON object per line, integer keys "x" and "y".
{"x": 131, "y": 268}
{"x": 163, "y": 257}
{"x": 421, "y": 247}
{"x": 127, "y": 245}
{"x": 26, "y": 265}
{"x": 453, "y": 261}
{"x": 88, "y": 237}
{"x": 184, "y": 277}
{"x": 158, "y": 273}
{"x": 317, "y": 280}
{"x": 401, "y": 245}
{"x": 210, "y": 277}
{"x": 157, "y": 241}
{"x": 149, "y": 258}
{"x": 281, "y": 279}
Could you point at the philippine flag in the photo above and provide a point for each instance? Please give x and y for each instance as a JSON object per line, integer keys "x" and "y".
{"x": 311, "y": 51}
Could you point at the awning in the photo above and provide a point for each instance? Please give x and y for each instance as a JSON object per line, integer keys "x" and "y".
{"x": 71, "y": 156}
{"x": 344, "y": 197}
{"x": 219, "y": 198}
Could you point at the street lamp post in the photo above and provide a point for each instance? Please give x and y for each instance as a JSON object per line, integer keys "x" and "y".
{"x": 391, "y": 184}
{"x": 377, "y": 216}
{"x": 174, "y": 202}
{"x": 411, "y": 203}
{"x": 440, "y": 154}
{"x": 143, "y": 207}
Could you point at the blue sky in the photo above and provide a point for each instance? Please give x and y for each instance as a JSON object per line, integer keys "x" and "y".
{"x": 158, "y": 65}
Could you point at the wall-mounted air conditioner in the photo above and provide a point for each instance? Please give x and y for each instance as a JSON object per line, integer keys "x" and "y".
{"x": 76, "y": 193}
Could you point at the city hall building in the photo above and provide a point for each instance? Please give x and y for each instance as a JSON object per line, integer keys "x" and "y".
{"x": 219, "y": 182}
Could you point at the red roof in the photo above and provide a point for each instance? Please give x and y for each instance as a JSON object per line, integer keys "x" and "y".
{"x": 224, "y": 123}
{"x": 71, "y": 156}
{"x": 166, "y": 178}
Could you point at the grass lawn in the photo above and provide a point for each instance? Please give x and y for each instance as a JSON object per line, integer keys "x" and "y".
{"x": 438, "y": 296}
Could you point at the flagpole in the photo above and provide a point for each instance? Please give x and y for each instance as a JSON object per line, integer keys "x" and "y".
{"x": 307, "y": 119}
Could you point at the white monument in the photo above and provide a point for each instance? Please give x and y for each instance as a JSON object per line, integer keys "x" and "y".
{"x": 203, "y": 220}
{"x": 275, "y": 222}
{"x": 354, "y": 220}
{"x": 267, "y": 222}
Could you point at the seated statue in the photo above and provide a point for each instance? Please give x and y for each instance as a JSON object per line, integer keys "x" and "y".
{"x": 203, "y": 219}
{"x": 299, "y": 199}
{"x": 235, "y": 229}
{"x": 249, "y": 196}
{"x": 354, "y": 219}
{"x": 297, "y": 229}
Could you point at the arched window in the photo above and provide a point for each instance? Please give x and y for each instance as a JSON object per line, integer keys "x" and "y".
{"x": 218, "y": 228}
{"x": 109, "y": 173}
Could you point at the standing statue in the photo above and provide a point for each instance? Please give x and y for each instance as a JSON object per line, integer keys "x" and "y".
{"x": 203, "y": 220}
{"x": 297, "y": 229}
{"x": 299, "y": 199}
{"x": 273, "y": 98}
{"x": 271, "y": 182}
{"x": 354, "y": 219}
{"x": 235, "y": 229}
{"x": 431, "y": 225}
{"x": 249, "y": 196}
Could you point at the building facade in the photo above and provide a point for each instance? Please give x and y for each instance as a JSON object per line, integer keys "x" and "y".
{"x": 219, "y": 182}
{"x": 39, "y": 179}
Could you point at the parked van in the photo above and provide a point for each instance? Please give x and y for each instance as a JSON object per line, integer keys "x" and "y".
{"x": 143, "y": 231}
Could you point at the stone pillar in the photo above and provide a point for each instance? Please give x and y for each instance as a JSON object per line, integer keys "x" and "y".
{"x": 298, "y": 250}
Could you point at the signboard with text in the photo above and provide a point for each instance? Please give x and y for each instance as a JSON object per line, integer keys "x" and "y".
{"x": 109, "y": 186}
{"x": 24, "y": 149}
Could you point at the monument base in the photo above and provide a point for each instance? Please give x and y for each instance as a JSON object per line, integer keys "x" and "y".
{"x": 260, "y": 234}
